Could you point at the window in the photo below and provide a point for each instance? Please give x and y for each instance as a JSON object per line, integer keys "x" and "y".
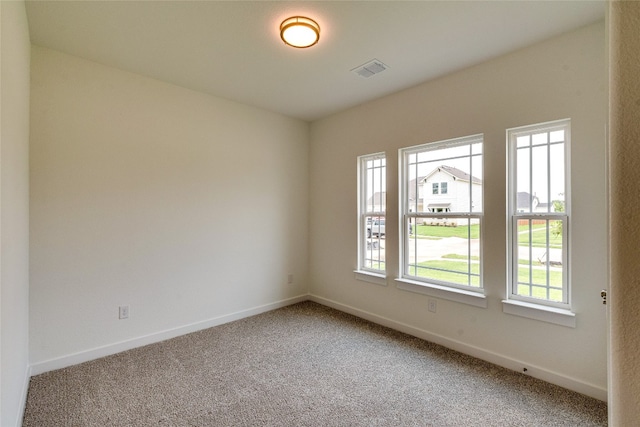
{"x": 539, "y": 211}
{"x": 439, "y": 188}
{"x": 439, "y": 209}
{"x": 372, "y": 170}
{"x": 440, "y": 238}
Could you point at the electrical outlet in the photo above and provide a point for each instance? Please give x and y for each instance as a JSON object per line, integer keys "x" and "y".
{"x": 123, "y": 312}
{"x": 432, "y": 305}
{"x": 290, "y": 279}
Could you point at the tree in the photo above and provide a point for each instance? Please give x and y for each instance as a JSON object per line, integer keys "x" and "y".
{"x": 556, "y": 227}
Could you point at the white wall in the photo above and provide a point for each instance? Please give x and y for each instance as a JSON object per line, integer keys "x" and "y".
{"x": 14, "y": 213}
{"x": 560, "y": 78}
{"x": 145, "y": 194}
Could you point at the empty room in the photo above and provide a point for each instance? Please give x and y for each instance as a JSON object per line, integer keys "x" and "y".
{"x": 276, "y": 213}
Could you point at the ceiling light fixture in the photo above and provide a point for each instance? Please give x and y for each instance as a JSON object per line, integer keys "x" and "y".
{"x": 299, "y": 31}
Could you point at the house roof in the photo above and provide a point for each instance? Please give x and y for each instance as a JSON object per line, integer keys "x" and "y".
{"x": 456, "y": 173}
{"x": 378, "y": 198}
{"x": 524, "y": 200}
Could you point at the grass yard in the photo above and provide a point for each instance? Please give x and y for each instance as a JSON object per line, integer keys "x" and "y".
{"x": 448, "y": 271}
{"x": 458, "y": 256}
{"x": 376, "y": 265}
{"x": 440, "y": 232}
{"x": 540, "y": 292}
{"x": 539, "y": 276}
{"x": 536, "y": 285}
{"x": 538, "y": 236}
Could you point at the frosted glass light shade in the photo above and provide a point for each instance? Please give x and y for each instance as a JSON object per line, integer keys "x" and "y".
{"x": 299, "y": 31}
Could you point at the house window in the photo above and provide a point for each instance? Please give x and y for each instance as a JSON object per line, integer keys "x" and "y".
{"x": 434, "y": 209}
{"x": 439, "y": 188}
{"x": 372, "y": 196}
{"x": 539, "y": 212}
{"x": 440, "y": 242}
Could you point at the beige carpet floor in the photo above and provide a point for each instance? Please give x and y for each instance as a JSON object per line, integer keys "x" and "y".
{"x": 303, "y": 365}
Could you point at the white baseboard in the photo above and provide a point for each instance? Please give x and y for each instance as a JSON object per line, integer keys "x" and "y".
{"x": 118, "y": 347}
{"x": 23, "y": 396}
{"x": 500, "y": 360}
{"x": 497, "y": 359}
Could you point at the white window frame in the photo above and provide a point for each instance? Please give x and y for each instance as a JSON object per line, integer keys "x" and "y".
{"x": 446, "y": 290}
{"x": 363, "y": 272}
{"x": 538, "y": 308}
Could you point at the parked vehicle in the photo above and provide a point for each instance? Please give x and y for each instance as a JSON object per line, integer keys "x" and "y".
{"x": 376, "y": 228}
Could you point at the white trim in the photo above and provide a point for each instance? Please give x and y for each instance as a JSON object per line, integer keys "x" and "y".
{"x": 23, "y": 400}
{"x": 107, "y": 350}
{"x": 371, "y": 277}
{"x": 489, "y": 356}
{"x": 533, "y": 310}
{"x": 544, "y": 313}
{"x": 362, "y": 204}
{"x": 476, "y": 299}
{"x": 414, "y": 283}
{"x": 446, "y": 143}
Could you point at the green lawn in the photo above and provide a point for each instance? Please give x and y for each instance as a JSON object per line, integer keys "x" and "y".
{"x": 539, "y": 292}
{"x": 538, "y": 236}
{"x": 536, "y": 288}
{"x": 539, "y": 276}
{"x": 458, "y": 256}
{"x": 439, "y": 232}
{"x": 457, "y": 272}
{"x": 447, "y": 271}
{"x": 453, "y": 268}
{"x": 376, "y": 265}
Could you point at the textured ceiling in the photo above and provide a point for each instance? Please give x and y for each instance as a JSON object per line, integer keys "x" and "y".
{"x": 232, "y": 49}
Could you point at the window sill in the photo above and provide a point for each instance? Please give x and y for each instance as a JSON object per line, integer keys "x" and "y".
{"x": 475, "y": 299}
{"x": 557, "y": 316}
{"x": 368, "y": 276}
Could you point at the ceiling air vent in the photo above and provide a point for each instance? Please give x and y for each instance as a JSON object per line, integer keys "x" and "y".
{"x": 369, "y": 69}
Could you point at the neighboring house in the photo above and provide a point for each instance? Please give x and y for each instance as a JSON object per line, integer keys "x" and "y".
{"x": 447, "y": 189}
{"x": 416, "y": 196}
{"x": 526, "y": 202}
{"x": 531, "y": 203}
{"x": 377, "y": 202}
